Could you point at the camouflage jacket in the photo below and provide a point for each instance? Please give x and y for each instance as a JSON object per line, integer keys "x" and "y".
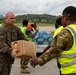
{"x": 8, "y": 35}
{"x": 60, "y": 42}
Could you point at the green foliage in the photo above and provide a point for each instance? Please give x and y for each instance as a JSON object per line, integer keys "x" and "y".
{"x": 38, "y": 18}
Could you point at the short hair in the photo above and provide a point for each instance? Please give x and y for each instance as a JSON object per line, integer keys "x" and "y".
{"x": 70, "y": 11}
{"x": 25, "y": 23}
{"x": 8, "y": 14}
{"x": 58, "y": 22}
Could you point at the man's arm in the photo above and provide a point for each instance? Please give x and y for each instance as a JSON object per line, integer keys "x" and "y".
{"x": 4, "y": 48}
{"x": 60, "y": 43}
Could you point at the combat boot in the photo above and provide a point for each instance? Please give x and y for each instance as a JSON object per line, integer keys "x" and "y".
{"x": 24, "y": 70}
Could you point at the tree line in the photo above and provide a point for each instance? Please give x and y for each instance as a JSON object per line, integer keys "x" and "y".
{"x": 38, "y": 18}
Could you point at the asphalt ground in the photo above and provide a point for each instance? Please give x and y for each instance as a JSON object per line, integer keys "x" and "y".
{"x": 48, "y": 28}
{"x": 49, "y": 68}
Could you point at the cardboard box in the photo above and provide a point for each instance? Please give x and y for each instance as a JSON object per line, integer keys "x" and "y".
{"x": 26, "y": 48}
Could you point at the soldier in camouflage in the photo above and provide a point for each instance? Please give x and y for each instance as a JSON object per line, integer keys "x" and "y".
{"x": 8, "y": 34}
{"x": 62, "y": 44}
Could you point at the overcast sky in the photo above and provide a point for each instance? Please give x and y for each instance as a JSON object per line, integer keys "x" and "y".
{"x": 52, "y": 7}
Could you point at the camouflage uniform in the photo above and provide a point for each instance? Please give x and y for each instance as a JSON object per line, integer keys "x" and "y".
{"x": 8, "y": 35}
{"x": 24, "y": 62}
{"x": 58, "y": 44}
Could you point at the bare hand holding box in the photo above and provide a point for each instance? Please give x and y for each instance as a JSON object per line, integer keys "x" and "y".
{"x": 26, "y": 48}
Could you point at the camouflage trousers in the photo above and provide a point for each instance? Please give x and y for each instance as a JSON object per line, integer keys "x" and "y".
{"x": 5, "y": 68}
{"x": 24, "y": 62}
{"x": 69, "y": 74}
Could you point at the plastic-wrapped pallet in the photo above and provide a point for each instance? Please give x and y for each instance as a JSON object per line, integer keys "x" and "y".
{"x": 42, "y": 38}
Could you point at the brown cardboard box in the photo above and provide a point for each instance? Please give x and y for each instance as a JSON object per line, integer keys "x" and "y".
{"x": 26, "y": 48}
